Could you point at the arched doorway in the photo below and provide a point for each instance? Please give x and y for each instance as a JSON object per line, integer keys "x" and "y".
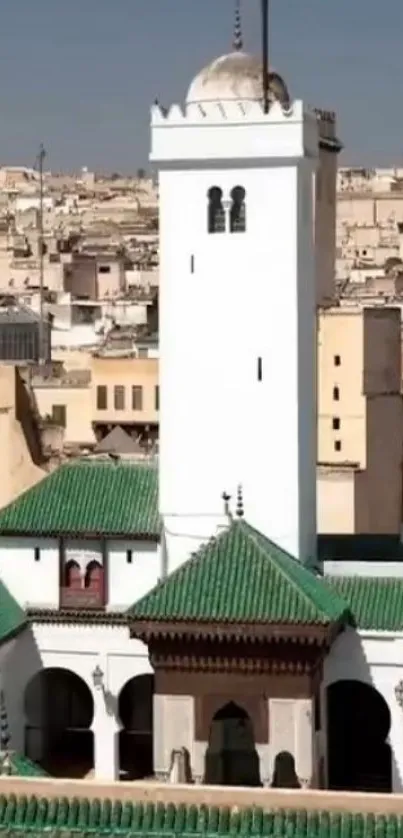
{"x": 59, "y": 709}
{"x": 231, "y": 756}
{"x": 358, "y": 722}
{"x": 136, "y": 736}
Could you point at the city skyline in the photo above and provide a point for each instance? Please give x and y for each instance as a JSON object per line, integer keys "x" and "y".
{"x": 81, "y": 78}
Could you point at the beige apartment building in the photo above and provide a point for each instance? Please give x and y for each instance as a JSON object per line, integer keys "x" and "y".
{"x": 360, "y": 421}
{"x": 112, "y": 391}
{"x": 125, "y": 391}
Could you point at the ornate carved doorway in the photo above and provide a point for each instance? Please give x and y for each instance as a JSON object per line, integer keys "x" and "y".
{"x": 359, "y": 756}
{"x": 231, "y": 757}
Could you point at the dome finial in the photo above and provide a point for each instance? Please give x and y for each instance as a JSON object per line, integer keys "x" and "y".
{"x": 239, "y": 503}
{"x": 238, "y": 40}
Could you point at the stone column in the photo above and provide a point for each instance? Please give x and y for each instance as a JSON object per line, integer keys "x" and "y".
{"x": 291, "y": 729}
{"x": 105, "y": 729}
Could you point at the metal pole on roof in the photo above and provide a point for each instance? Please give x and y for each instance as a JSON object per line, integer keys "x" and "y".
{"x": 265, "y": 53}
{"x": 41, "y": 158}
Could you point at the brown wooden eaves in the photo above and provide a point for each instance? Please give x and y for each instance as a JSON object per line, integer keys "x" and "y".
{"x": 311, "y": 635}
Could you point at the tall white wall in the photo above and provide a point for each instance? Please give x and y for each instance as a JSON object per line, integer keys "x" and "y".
{"x": 37, "y": 583}
{"x": 227, "y": 300}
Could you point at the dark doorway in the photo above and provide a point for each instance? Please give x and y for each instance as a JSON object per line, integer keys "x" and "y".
{"x": 136, "y": 737}
{"x": 358, "y": 720}
{"x": 59, "y": 709}
{"x": 231, "y": 757}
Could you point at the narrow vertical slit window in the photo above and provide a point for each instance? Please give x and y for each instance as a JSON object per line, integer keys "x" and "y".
{"x": 259, "y": 369}
{"x": 192, "y": 264}
{"x": 238, "y": 210}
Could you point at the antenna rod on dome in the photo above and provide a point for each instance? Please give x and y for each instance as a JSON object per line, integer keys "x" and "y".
{"x": 238, "y": 40}
{"x": 265, "y": 54}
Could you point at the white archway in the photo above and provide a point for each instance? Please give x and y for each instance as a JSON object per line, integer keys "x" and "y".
{"x": 59, "y": 710}
{"x": 135, "y": 707}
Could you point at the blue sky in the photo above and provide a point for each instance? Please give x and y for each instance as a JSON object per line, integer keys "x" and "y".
{"x": 80, "y": 75}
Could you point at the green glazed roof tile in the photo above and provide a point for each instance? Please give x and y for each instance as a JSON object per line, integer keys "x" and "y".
{"x": 12, "y": 617}
{"x": 375, "y": 602}
{"x": 241, "y": 576}
{"x": 21, "y": 766}
{"x": 100, "y": 497}
{"x": 62, "y": 817}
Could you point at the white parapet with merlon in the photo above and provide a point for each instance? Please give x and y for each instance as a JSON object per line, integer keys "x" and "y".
{"x": 201, "y": 132}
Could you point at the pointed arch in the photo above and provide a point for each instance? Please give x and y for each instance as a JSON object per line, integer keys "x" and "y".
{"x": 94, "y": 577}
{"x": 231, "y": 756}
{"x": 72, "y": 576}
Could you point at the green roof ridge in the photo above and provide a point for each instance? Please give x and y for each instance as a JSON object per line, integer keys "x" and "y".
{"x": 288, "y": 566}
{"x": 241, "y": 576}
{"x": 60, "y": 815}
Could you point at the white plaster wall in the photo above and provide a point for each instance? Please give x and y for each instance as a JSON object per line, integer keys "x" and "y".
{"x": 36, "y": 583}
{"x": 129, "y": 582}
{"x": 78, "y": 648}
{"x": 201, "y": 132}
{"x": 210, "y": 343}
{"x": 363, "y": 568}
{"x": 375, "y": 658}
{"x": 31, "y": 582}
{"x": 291, "y": 729}
{"x": 174, "y": 729}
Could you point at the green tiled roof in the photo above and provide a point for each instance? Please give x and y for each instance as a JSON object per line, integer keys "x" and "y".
{"x": 242, "y": 577}
{"x": 60, "y": 816}
{"x": 99, "y": 497}
{"x": 21, "y": 766}
{"x": 375, "y": 602}
{"x": 12, "y": 617}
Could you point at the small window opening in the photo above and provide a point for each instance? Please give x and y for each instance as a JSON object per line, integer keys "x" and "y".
{"x": 192, "y": 264}
{"x": 337, "y": 445}
{"x": 336, "y": 394}
{"x": 337, "y": 360}
{"x": 216, "y": 212}
{"x": 129, "y": 556}
{"x": 37, "y": 554}
{"x": 259, "y": 369}
{"x": 238, "y": 210}
{"x": 336, "y": 423}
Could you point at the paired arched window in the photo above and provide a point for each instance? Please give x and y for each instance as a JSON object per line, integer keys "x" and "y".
{"x": 72, "y": 576}
{"x": 93, "y": 579}
{"x": 238, "y": 210}
{"x": 217, "y": 211}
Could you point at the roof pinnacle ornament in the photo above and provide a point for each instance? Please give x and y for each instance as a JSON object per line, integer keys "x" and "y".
{"x": 239, "y": 503}
{"x": 238, "y": 40}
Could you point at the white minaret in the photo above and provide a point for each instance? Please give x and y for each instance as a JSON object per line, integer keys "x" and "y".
{"x": 237, "y": 308}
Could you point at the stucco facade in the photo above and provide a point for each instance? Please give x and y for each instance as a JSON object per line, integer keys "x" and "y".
{"x": 227, "y": 370}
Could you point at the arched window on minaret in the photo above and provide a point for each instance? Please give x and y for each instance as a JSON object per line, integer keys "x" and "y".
{"x": 238, "y": 210}
{"x": 216, "y": 212}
